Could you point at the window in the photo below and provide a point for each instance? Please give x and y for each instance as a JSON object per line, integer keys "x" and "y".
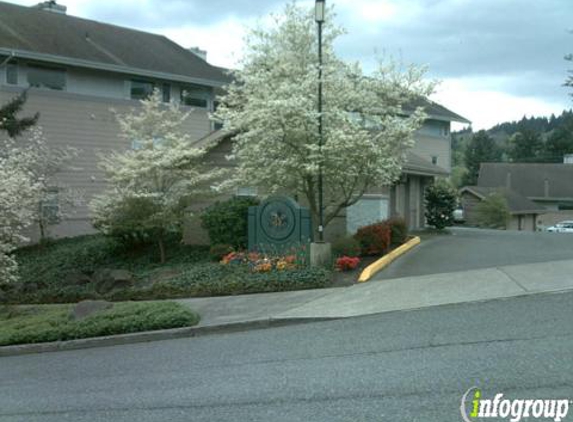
{"x": 47, "y": 77}
{"x": 194, "y": 97}
{"x": 138, "y": 144}
{"x": 166, "y": 91}
{"x": 140, "y": 90}
{"x": 50, "y": 207}
{"x": 434, "y": 160}
{"x": 216, "y": 124}
{"x": 12, "y": 74}
{"x": 368, "y": 210}
{"x": 247, "y": 191}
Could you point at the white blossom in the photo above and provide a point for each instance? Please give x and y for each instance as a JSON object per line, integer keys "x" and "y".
{"x": 272, "y": 108}
{"x": 165, "y": 172}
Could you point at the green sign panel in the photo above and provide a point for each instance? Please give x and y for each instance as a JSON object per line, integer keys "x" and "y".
{"x": 278, "y": 223}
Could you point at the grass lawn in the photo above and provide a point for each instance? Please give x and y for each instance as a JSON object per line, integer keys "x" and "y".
{"x": 43, "y": 323}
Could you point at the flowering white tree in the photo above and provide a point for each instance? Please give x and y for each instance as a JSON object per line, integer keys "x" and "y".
{"x": 272, "y": 107}
{"x": 152, "y": 184}
{"x": 20, "y": 192}
{"x": 28, "y": 170}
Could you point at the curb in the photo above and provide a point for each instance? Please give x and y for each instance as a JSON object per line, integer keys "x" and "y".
{"x": 147, "y": 336}
{"x": 387, "y": 259}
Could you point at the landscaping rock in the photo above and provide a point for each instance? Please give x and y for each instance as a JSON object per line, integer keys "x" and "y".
{"x": 86, "y": 308}
{"x": 164, "y": 274}
{"x": 107, "y": 280}
{"x": 77, "y": 278}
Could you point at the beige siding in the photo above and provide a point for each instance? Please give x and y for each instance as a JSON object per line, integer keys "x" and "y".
{"x": 86, "y": 123}
{"x": 428, "y": 145}
{"x": 525, "y": 222}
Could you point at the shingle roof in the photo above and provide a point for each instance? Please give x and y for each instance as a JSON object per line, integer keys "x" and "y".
{"x": 532, "y": 180}
{"x": 418, "y": 165}
{"x": 435, "y": 110}
{"x": 518, "y": 204}
{"x": 29, "y": 29}
{"x": 414, "y": 163}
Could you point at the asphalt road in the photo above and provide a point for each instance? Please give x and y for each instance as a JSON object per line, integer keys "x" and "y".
{"x": 468, "y": 249}
{"x": 402, "y": 366}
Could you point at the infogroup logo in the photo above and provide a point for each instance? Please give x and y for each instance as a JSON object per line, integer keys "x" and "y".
{"x": 513, "y": 410}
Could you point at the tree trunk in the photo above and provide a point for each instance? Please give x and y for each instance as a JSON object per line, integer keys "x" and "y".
{"x": 161, "y": 245}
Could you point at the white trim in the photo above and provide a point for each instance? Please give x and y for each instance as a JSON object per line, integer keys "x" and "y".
{"x": 109, "y": 67}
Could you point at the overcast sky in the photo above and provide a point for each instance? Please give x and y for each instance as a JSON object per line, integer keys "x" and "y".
{"x": 497, "y": 59}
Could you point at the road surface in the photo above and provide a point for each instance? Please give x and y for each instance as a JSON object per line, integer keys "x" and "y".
{"x": 400, "y": 366}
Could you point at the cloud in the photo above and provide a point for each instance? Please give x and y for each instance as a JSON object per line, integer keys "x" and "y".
{"x": 485, "y": 107}
{"x": 505, "y": 53}
{"x": 155, "y": 14}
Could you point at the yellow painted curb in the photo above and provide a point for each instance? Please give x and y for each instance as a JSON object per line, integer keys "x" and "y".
{"x": 383, "y": 262}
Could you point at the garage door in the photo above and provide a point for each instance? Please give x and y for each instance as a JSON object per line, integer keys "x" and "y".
{"x": 367, "y": 210}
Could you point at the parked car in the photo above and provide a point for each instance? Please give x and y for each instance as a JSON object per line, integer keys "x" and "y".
{"x": 459, "y": 215}
{"x": 562, "y": 227}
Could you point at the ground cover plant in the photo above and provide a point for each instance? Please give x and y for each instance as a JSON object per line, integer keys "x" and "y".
{"x": 44, "y": 323}
{"x": 67, "y": 271}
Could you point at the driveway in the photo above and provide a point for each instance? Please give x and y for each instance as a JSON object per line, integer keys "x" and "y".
{"x": 467, "y": 249}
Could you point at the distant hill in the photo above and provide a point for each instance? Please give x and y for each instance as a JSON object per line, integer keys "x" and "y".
{"x": 502, "y": 131}
{"x": 549, "y": 138}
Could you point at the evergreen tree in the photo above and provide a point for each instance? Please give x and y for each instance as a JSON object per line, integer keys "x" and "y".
{"x": 569, "y": 80}
{"x": 560, "y": 142}
{"x": 525, "y": 146}
{"x": 481, "y": 149}
{"x": 8, "y": 120}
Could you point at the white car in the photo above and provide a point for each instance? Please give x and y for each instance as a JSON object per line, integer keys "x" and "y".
{"x": 562, "y": 227}
{"x": 459, "y": 215}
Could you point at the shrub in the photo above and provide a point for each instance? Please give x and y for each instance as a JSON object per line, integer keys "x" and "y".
{"x": 440, "y": 205}
{"x": 374, "y": 239}
{"x": 346, "y": 263}
{"x": 41, "y": 324}
{"x": 227, "y": 221}
{"x": 493, "y": 212}
{"x": 399, "y": 230}
{"x": 346, "y": 246}
{"x": 126, "y": 220}
{"x": 47, "y": 266}
{"x": 219, "y": 250}
{"x": 218, "y": 280}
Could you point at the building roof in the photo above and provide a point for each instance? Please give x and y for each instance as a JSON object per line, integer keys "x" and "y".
{"x": 32, "y": 33}
{"x": 435, "y": 111}
{"x": 539, "y": 181}
{"x": 414, "y": 163}
{"x": 517, "y": 203}
{"x": 418, "y": 165}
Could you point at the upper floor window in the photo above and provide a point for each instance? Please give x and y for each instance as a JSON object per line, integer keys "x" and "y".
{"x": 50, "y": 206}
{"x": 138, "y": 144}
{"x": 46, "y": 77}
{"x": 194, "y": 97}
{"x": 140, "y": 90}
{"x": 435, "y": 128}
{"x": 12, "y": 73}
{"x": 246, "y": 191}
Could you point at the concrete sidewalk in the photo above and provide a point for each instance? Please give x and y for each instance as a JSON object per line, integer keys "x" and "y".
{"x": 387, "y": 295}
{"x": 239, "y": 313}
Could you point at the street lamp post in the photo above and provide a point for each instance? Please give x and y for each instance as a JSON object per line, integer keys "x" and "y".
{"x": 319, "y": 18}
